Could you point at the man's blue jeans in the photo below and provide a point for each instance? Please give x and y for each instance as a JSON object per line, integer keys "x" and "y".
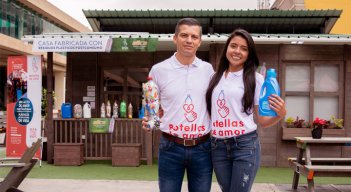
{"x": 174, "y": 159}
{"x": 236, "y": 161}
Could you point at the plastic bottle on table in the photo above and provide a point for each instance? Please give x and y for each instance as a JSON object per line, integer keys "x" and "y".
{"x": 87, "y": 110}
{"x": 115, "y": 110}
{"x": 103, "y": 111}
{"x": 123, "y": 109}
{"x": 108, "y": 109}
{"x": 130, "y": 111}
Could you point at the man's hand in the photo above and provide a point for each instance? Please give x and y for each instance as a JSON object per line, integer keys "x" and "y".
{"x": 144, "y": 124}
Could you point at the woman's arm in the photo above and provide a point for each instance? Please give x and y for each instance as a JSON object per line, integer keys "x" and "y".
{"x": 278, "y": 105}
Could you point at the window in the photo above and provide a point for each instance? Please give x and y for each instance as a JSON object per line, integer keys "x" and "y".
{"x": 313, "y": 89}
{"x": 16, "y": 21}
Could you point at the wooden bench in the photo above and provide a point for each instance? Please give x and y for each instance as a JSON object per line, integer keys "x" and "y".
{"x": 311, "y": 171}
{"x": 323, "y": 161}
{"x": 318, "y": 167}
{"x": 20, "y": 168}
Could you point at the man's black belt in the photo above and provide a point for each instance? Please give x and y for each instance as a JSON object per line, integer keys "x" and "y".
{"x": 186, "y": 142}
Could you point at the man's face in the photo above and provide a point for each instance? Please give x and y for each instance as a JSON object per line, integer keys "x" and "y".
{"x": 188, "y": 40}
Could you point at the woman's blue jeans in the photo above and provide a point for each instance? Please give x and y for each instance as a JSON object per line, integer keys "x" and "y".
{"x": 174, "y": 159}
{"x": 236, "y": 161}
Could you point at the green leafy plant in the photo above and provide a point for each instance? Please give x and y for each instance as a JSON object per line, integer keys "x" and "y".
{"x": 289, "y": 122}
{"x": 336, "y": 123}
{"x": 44, "y": 102}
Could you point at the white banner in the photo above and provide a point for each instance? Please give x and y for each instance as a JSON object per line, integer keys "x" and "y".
{"x": 58, "y": 44}
{"x": 34, "y": 95}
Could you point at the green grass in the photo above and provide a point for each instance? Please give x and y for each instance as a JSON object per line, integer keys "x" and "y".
{"x": 104, "y": 170}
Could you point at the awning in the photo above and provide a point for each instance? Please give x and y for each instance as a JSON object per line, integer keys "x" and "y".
{"x": 165, "y": 41}
{"x": 214, "y": 21}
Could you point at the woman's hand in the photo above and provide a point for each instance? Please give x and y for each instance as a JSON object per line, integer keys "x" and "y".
{"x": 278, "y": 105}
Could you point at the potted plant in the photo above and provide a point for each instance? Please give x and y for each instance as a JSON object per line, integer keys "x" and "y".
{"x": 296, "y": 123}
{"x": 317, "y": 127}
{"x": 295, "y": 128}
{"x": 336, "y": 123}
{"x": 289, "y": 122}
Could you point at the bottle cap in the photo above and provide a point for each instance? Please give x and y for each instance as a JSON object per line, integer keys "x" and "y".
{"x": 271, "y": 73}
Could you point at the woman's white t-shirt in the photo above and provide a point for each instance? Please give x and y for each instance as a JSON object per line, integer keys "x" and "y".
{"x": 228, "y": 118}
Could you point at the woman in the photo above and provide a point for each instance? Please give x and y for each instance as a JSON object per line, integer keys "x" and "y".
{"x": 232, "y": 100}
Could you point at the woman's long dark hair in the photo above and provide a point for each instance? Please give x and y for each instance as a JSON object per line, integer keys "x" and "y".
{"x": 249, "y": 79}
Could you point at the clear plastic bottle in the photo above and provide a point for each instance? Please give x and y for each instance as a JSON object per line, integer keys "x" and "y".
{"x": 115, "y": 109}
{"x": 270, "y": 86}
{"x": 130, "y": 111}
{"x": 123, "y": 109}
{"x": 150, "y": 93}
{"x": 263, "y": 70}
{"x": 103, "y": 111}
{"x": 108, "y": 109}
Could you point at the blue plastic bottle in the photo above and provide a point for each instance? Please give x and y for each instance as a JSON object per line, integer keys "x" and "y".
{"x": 141, "y": 112}
{"x": 66, "y": 110}
{"x": 270, "y": 86}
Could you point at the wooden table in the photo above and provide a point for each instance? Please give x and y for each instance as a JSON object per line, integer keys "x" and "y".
{"x": 311, "y": 167}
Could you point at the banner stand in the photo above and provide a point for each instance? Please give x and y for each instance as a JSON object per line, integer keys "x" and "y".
{"x": 24, "y": 88}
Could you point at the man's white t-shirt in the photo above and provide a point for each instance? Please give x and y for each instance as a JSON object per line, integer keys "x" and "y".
{"x": 182, "y": 90}
{"x": 228, "y": 118}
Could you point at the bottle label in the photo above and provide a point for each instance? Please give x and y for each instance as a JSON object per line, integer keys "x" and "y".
{"x": 265, "y": 105}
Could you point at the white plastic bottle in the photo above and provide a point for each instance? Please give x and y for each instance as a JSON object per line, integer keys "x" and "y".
{"x": 87, "y": 110}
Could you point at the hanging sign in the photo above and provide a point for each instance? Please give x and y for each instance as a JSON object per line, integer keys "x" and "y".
{"x": 85, "y": 44}
{"x": 94, "y": 44}
{"x": 101, "y": 125}
{"x": 134, "y": 45}
{"x": 24, "y": 104}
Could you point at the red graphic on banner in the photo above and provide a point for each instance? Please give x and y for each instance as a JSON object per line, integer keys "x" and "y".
{"x": 188, "y": 107}
{"x": 223, "y": 110}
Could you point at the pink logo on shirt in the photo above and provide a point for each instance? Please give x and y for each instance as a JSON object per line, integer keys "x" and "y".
{"x": 223, "y": 110}
{"x": 188, "y": 107}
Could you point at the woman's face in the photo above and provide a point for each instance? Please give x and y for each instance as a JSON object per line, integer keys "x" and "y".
{"x": 237, "y": 53}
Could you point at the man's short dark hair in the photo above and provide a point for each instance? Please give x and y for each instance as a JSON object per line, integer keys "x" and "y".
{"x": 187, "y": 21}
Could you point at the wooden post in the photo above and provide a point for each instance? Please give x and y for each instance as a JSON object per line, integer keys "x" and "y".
{"x": 49, "y": 123}
{"x": 125, "y": 85}
{"x": 149, "y": 146}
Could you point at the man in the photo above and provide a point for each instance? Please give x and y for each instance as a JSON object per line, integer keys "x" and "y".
{"x": 182, "y": 81}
